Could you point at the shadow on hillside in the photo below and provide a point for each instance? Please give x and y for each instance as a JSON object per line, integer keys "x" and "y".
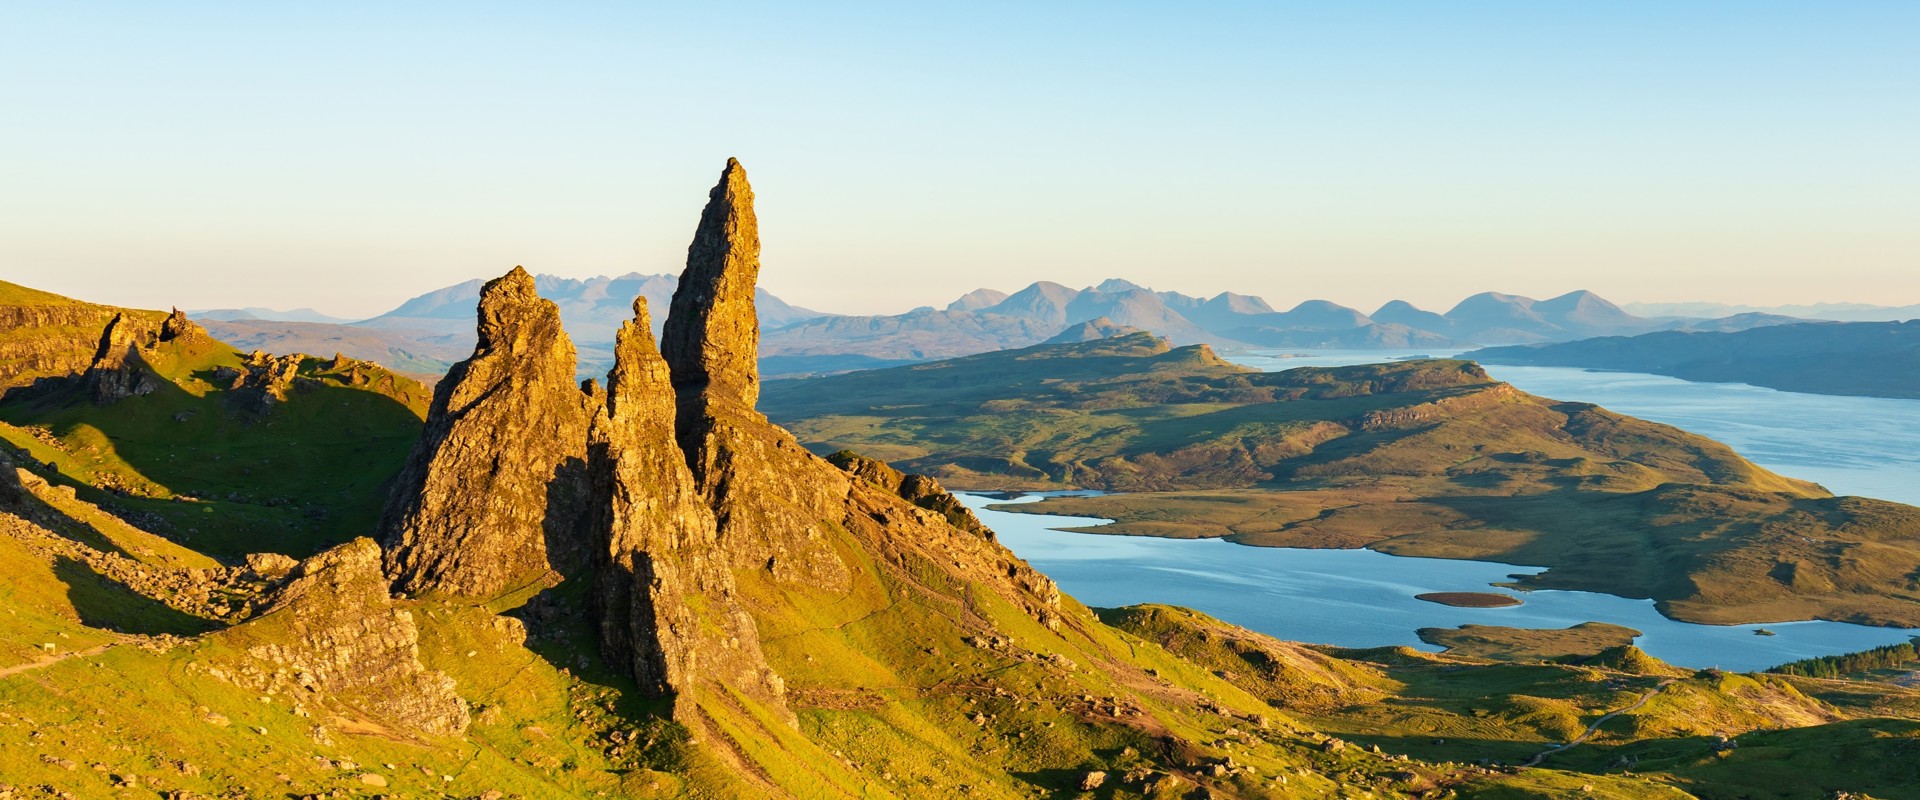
{"x": 561, "y": 621}
{"x": 312, "y": 469}
{"x": 104, "y": 604}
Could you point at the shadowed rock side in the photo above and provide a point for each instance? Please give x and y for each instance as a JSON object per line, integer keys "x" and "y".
{"x": 769, "y": 495}
{"x": 667, "y": 603}
{"x": 494, "y": 493}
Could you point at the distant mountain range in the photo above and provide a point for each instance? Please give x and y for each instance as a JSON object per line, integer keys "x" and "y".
{"x": 429, "y": 332}
{"x": 1837, "y": 312}
{"x": 256, "y": 313}
{"x": 986, "y": 320}
{"x": 1874, "y": 359}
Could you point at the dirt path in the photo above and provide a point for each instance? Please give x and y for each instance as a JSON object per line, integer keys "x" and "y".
{"x": 7, "y": 672}
{"x": 1591, "y": 729}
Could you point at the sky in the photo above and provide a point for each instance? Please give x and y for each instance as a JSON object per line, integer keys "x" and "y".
{"x": 347, "y": 156}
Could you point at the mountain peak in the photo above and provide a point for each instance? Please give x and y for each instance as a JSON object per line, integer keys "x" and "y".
{"x": 1119, "y": 285}
{"x": 1578, "y": 300}
{"x": 978, "y": 299}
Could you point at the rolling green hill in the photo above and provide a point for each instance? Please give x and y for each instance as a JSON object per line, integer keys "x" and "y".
{"x": 1422, "y": 458}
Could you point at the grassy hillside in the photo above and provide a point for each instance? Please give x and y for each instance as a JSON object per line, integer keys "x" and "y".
{"x": 1423, "y": 458}
{"x": 893, "y": 694}
{"x": 915, "y": 683}
{"x": 213, "y": 461}
{"x": 1706, "y": 734}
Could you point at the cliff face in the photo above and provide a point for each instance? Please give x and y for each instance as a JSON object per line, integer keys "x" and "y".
{"x": 44, "y": 335}
{"x": 495, "y": 493}
{"x": 668, "y": 608}
{"x": 770, "y": 496}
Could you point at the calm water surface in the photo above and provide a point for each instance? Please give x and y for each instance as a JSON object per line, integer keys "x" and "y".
{"x": 1359, "y": 598}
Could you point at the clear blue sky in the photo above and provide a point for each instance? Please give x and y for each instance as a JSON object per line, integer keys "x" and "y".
{"x": 347, "y": 155}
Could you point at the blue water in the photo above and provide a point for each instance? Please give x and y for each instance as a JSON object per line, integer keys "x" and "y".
{"x": 1360, "y": 598}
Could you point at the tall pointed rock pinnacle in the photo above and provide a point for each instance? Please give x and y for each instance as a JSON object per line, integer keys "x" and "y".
{"x": 493, "y": 496}
{"x": 668, "y": 608}
{"x": 712, "y": 335}
{"x": 769, "y": 495}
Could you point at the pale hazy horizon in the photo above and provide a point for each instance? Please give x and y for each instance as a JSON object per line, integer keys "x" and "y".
{"x": 347, "y": 158}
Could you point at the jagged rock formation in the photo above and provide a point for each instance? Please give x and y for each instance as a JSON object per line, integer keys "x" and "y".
{"x": 769, "y": 495}
{"x": 119, "y": 369}
{"x": 332, "y": 633}
{"x": 494, "y": 494}
{"x": 712, "y": 336}
{"x": 667, "y": 603}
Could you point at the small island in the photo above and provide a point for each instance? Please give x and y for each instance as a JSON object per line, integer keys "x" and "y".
{"x": 1470, "y": 599}
{"x": 1497, "y": 643}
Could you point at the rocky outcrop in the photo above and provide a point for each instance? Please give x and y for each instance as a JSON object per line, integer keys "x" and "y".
{"x": 332, "y": 636}
{"x": 495, "y": 493}
{"x": 120, "y": 363}
{"x": 177, "y": 327}
{"x": 119, "y": 369}
{"x": 771, "y": 498}
{"x": 263, "y": 382}
{"x": 704, "y": 519}
{"x": 665, "y": 594}
{"x": 1442, "y": 408}
{"x": 919, "y": 490}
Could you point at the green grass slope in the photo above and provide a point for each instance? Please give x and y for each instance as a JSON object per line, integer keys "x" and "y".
{"x": 202, "y": 462}
{"x": 919, "y": 681}
{"x": 1423, "y": 458}
{"x": 1707, "y": 734}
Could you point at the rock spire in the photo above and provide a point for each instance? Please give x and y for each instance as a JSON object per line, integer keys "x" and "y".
{"x": 667, "y": 604}
{"x": 769, "y": 495}
{"x": 494, "y": 494}
{"x": 712, "y": 336}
